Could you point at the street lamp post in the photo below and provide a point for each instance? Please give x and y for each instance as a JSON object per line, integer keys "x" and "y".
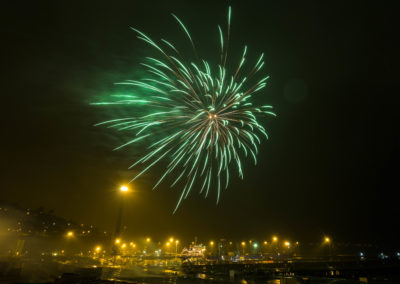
{"x": 275, "y": 241}
{"x": 327, "y": 241}
{"x": 212, "y": 247}
{"x": 176, "y": 248}
{"x": 123, "y": 189}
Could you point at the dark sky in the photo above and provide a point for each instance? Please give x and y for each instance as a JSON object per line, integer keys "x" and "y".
{"x": 330, "y": 167}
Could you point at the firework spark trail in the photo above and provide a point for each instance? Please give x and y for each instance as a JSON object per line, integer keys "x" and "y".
{"x": 209, "y": 112}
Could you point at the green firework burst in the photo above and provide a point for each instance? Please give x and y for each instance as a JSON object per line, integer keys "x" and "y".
{"x": 204, "y": 114}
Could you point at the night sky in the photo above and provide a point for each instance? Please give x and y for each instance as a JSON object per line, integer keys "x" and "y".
{"x": 330, "y": 166}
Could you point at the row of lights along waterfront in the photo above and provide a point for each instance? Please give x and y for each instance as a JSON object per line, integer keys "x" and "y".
{"x": 117, "y": 244}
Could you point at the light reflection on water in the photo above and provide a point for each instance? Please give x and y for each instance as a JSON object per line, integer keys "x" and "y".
{"x": 203, "y": 279}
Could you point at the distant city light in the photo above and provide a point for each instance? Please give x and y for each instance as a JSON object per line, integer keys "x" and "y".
{"x": 383, "y": 256}
{"x": 77, "y": 242}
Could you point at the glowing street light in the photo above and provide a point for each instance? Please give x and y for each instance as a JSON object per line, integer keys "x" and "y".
{"x": 124, "y": 188}
{"x": 117, "y": 241}
{"x": 274, "y": 239}
{"x": 286, "y": 244}
{"x": 70, "y": 234}
{"x": 98, "y": 248}
{"x": 148, "y": 240}
{"x": 171, "y": 240}
{"x": 327, "y": 240}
